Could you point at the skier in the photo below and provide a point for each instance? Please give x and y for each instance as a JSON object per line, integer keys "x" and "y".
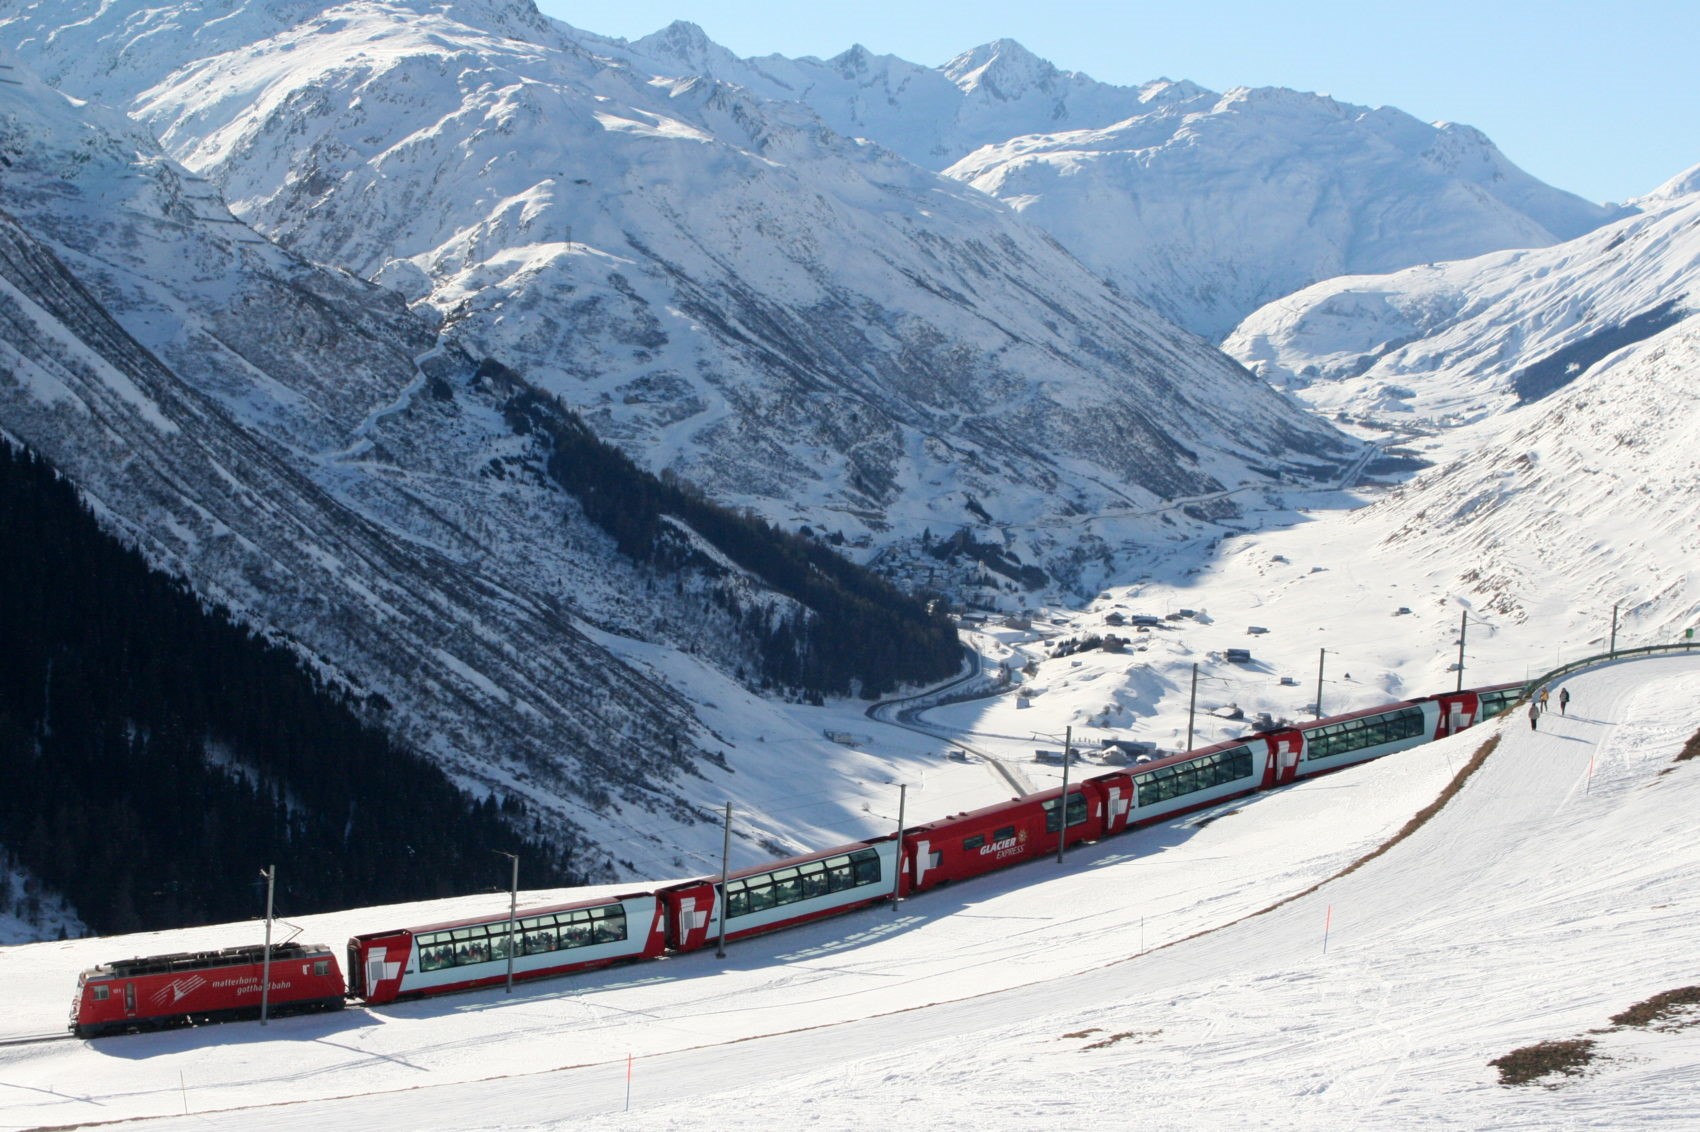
{"x": 1564, "y": 701}
{"x": 1534, "y": 715}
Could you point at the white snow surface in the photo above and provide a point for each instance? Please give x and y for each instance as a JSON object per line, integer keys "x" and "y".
{"x": 795, "y": 321}
{"x": 1443, "y": 344}
{"x": 1221, "y": 970}
{"x": 1204, "y": 205}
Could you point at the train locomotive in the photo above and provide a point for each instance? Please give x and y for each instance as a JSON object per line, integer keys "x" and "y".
{"x": 195, "y": 988}
{"x": 405, "y": 963}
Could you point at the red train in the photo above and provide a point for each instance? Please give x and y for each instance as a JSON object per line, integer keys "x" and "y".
{"x": 198, "y": 987}
{"x": 559, "y": 939}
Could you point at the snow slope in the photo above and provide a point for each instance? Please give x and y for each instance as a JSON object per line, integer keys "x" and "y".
{"x": 1209, "y": 208}
{"x": 1203, "y": 205}
{"x": 1221, "y": 969}
{"x": 795, "y": 321}
{"x": 1449, "y": 343}
{"x": 292, "y": 440}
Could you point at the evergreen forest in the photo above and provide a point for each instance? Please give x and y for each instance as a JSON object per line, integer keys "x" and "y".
{"x": 856, "y": 632}
{"x": 155, "y": 755}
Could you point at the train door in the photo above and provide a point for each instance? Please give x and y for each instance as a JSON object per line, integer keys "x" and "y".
{"x": 1117, "y": 801}
{"x": 1457, "y": 712}
{"x": 1286, "y": 747}
{"x": 691, "y": 915}
{"x": 129, "y": 1000}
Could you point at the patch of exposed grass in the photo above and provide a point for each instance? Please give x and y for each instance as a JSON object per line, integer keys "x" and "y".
{"x": 1531, "y": 1063}
{"x": 1136, "y": 1035}
{"x": 1671, "y": 1010}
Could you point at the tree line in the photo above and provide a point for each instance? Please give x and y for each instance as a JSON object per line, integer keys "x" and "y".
{"x": 155, "y": 754}
{"x": 855, "y": 634}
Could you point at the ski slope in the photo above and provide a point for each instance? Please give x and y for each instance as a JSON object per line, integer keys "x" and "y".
{"x": 1216, "y": 971}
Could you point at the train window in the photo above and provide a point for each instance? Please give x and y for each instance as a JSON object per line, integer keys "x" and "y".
{"x": 969, "y": 844}
{"x": 795, "y": 883}
{"x": 1495, "y": 702}
{"x": 1076, "y": 812}
{"x": 322, "y": 968}
{"x": 101, "y": 994}
{"x": 1351, "y": 735}
{"x": 1202, "y": 773}
{"x": 1003, "y": 834}
{"x": 867, "y": 862}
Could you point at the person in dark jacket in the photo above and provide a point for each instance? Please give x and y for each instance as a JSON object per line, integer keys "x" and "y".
{"x": 1534, "y": 715}
{"x": 1564, "y": 701}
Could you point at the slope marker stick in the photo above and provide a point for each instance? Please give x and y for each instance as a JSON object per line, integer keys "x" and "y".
{"x": 1327, "y": 922}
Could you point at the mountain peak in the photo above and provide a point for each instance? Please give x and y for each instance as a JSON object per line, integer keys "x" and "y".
{"x": 855, "y": 61}
{"x": 1003, "y": 69}
{"x": 1684, "y": 183}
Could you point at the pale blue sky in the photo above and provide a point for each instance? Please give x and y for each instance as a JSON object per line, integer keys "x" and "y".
{"x": 1597, "y": 98}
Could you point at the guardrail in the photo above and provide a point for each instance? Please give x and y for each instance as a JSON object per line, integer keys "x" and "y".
{"x": 1604, "y": 658}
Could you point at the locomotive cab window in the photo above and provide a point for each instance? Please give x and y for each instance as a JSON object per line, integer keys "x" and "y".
{"x": 101, "y": 994}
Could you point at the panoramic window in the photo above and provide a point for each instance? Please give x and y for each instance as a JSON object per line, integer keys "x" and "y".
{"x": 1216, "y": 769}
{"x": 793, "y": 884}
{"x": 537, "y": 935}
{"x": 1350, "y": 735}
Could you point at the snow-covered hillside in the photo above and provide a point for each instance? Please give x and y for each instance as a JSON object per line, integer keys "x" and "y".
{"x": 1209, "y": 208}
{"x": 1450, "y": 343}
{"x": 1212, "y": 972}
{"x": 798, "y": 322}
{"x": 1203, "y": 205}
{"x": 292, "y": 441}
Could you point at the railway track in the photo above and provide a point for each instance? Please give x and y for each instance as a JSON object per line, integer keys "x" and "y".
{"x": 35, "y": 1039}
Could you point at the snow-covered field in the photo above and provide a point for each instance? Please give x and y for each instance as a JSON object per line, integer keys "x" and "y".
{"x": 1218, "y": 971}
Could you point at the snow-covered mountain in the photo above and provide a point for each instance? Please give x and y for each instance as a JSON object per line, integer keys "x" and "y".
{"x": 1203, "y": 205}
{"x": 1209, "y": 208}
{"x": 797, "y": 322}
{"x": 297, "y": 445}
{"x": 1452, "y": 342}
{"x": 933, "y": 116}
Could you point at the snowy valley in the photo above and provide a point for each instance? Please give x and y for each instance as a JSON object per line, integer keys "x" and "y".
{"x": 309, "y": 299}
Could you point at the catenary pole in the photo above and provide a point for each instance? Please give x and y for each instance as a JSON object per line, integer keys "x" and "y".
{"x": 1062, "y": 803}
{"x": 725, "y": 858}
{"x": 1192, "y": 706}
{"x": 1321, "y": 655}
{"x": 1613, "y": 649}
{"x": 266, "y": 963}
{"x": 513, "y": 906}
{"x": 897, "y": 873}
{"x": 1463, "y": 629}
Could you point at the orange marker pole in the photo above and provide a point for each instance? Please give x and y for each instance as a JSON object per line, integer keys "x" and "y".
{"x": 1327, "y": 922}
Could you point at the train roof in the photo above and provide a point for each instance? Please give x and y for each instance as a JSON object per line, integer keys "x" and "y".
{"x": 502, "y": 917}
{"x": 201, "y": 960}
{"x": 789, "y": 862}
